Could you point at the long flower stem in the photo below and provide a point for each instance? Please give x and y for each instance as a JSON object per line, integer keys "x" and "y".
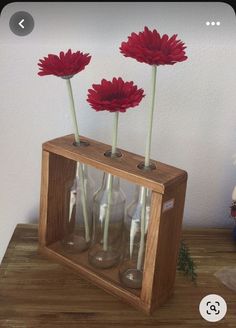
{"x": 115, "y": 133}
{"x": 72, "y": 109}
{"x": 110, "y": 183}
{"x": 143, "y": 224}
{"x": 84, "y": 204}
{"x": 107, "y": 217}
{"x": 147, "y": 164}
{"x": 150, "y": 120}
{"x": 81, "y": 173}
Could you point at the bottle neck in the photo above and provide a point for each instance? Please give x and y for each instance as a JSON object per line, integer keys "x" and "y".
{"x": 141, "y": 194}
{"x": 81, "y": 167}
{"x": 109, "y": 179}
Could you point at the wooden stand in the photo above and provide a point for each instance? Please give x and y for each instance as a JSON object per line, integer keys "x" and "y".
{"x": 168, "y": 185}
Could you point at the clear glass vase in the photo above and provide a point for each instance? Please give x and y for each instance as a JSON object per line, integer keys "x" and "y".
{"x": 135, "y": 233}
{"x": 108, "y": 218}
{"x": 78, "y": 225}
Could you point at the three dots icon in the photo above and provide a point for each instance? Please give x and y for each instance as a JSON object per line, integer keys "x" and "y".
{"x": 212, "y": 23}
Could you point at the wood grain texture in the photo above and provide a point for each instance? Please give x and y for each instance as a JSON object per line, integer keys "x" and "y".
{"x": 150, "y": 263}
{"x": 38, "y": 292}
{"x": 44, "y": 198}
{"x": 125, "y": 167}
{"x": 167, "y": 248}
{"x": 104, "y": 280}
{"x": 81, "y": 263}
{"x": 58, "y": 175}
{"x": 163, "y": 241}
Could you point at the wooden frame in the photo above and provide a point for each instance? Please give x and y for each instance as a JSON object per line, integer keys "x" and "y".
{"x": 168, "y": 185}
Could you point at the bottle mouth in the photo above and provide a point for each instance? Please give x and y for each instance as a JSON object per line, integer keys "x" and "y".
{"x": 144, "y": 168}
{"x": 109, "y": 153}
{"x": 82, "y": 143}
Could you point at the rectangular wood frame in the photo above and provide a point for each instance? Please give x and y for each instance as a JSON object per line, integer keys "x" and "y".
{"x": 168, "y": 185}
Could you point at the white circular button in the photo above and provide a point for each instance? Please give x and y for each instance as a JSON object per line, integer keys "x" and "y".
{"x": 213, "y": 308}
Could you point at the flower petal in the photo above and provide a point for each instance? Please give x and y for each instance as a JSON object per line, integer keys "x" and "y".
{"x": 149, "y": 47}
{"x": 115, "y": 95}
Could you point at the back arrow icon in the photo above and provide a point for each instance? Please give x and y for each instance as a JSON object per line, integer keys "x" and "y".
{"x": 21, "y": 23}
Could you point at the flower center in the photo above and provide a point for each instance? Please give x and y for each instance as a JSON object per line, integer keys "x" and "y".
{"x": 113, "y": 96}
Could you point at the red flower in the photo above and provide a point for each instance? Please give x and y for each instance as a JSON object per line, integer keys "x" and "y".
{"x": 149, "y": 47}
{"x": 115, "y": 95}
{"x": 65, "y": 65}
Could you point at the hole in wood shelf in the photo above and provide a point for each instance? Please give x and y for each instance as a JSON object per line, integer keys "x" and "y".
{"x": 141, "y": 166}
{"x": 108, "y": 153}
{"x": 83, "y": 143}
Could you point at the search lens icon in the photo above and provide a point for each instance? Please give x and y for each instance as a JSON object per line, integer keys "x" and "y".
{"x": 213, "y": 308}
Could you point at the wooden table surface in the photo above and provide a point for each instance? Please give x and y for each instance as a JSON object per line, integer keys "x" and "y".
{"x": 37, "y": 292}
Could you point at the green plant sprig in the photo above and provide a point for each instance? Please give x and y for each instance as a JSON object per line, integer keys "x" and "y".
{"x": 186, "y": 264}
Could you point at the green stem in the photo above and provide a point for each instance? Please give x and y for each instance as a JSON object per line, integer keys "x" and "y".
{"x": 81, "y": 173}
{"x": 73, "y": 113}
{"x": 80, "y": 170}
{"x": 115, "y": 133}
{"x": 150, "y": 123}
{"x": 143, "y": 223}
{"x": 107, "y": 217}
{"x": 110, "y": 183}
{"x": 147, "y": 164}
{"x": 84, "y": 203}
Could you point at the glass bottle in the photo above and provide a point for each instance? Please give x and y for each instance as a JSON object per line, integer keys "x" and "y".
{"x": 135, "y": 233}
{"x": 79, "y": 197}
{"x": 108, "y": 218}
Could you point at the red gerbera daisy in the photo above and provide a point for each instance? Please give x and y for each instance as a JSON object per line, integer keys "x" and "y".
{"x": 115, "y": 95}
{"x": 149, "y": 47}
{"x": 66, "y": 65}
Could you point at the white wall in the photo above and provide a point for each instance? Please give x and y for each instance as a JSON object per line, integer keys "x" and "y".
{"x": 194, "y": 125}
